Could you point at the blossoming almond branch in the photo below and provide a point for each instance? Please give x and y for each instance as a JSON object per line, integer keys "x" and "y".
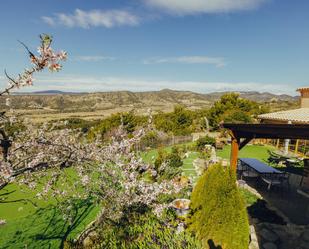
{"x": 110, "y": 174}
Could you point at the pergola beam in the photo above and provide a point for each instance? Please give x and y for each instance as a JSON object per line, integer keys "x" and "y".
{"x": 245, "y": 142}
{"x": 274, "y": 131}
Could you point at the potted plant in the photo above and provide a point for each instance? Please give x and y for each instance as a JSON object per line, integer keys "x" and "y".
{"x": 181, "y": 206}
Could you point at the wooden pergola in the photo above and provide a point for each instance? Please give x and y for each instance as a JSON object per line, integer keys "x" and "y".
{"x": 242, "y": 134}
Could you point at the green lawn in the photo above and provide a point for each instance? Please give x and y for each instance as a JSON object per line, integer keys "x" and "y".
{"x": 34, "y": 223}
{"x": 254, "y": 151}
{"x": 45, "y": 227}
{"x": 249, "y": 198}
{"x": 187, "y": 167}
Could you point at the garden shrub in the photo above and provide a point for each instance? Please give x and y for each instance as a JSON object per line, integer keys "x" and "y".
{"x": 218, "y": 213}
{"x": 129, "y": 120}
{"x": 168, "y": 165}
{"x": 140, "y": 228}
{"x": 160, "y": 159}
{"x": 174, "y": 159}
{"x": 184, "y": 193}
{"x": 150, "y": 139}
{"x": 13, "y": 128}
{"x": 74, "y": 123}
{"x": 201, "y": 142}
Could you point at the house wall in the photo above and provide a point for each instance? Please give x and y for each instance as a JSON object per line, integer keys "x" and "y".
{"x": 304, "y": 103}
{"x": 304, "y": 98}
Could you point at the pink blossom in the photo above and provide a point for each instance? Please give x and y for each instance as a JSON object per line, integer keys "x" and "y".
{"x": 54, "y": 67}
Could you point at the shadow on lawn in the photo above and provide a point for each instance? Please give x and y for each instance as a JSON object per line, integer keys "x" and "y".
{"x": 5, "y": 198}
{"x": 46, "y": 228}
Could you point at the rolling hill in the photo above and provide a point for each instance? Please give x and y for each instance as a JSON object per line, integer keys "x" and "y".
{"x": 105, "y": 103}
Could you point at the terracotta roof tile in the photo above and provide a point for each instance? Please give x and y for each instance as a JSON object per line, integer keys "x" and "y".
{"x": 300, "y": 115}
{"x": 302, "y": 88}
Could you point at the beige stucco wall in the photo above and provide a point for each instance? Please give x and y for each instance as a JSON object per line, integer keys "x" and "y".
{"x": 304, "y": 102}
{"x": 304, "y": 98}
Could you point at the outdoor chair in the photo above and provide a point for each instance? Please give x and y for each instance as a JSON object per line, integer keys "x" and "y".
{"x": 241, "y": 168}
{"x": 285, "y": 179}
{"x": 244, "y": 171}
{"x": 280, "y": 180}
{"x": 274, "y": 159}
{"x": 250, "y": 174}
{"x": 293, "y": 162}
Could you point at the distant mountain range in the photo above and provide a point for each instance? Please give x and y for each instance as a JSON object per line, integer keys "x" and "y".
{"x": 159, "y": 100}
{"x": 47, "y": 92}
{"x": 257, "y": 96}
{"x": 252, "y": 95}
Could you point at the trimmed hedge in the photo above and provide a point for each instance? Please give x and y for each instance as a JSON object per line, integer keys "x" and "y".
{"x": 218, "y": 213}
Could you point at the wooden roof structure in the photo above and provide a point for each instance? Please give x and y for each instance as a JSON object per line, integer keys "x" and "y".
{"x": 242, "y": 134}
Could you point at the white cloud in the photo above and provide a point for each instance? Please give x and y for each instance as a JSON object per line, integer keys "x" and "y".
{"x": 93, "y": 18}
{"x": 92, "y": 58}
{"x": 50, "y": 21}
{"x": 217, "y": 61}
{"x": 183, "y": 7}
{"x": 79, "y": 83}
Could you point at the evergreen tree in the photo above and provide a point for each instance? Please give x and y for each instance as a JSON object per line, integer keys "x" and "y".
{"x": 218, "y": 213}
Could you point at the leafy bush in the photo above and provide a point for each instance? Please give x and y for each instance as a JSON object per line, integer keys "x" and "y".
{"x": 12, "y": 128}
{"x": 218, "y": 214}
{"x": 174, "y": 159}
{"x": 184, "y": 193}
{"x": 151, "y": 139}
{"x": 140, "y": 228}
{"x": 160, "y": 159}
{"x": 168, "y": 165}
{"x": 201, "y": 142}
{"x": 76, "y": 123}
{"x": 129, "y": 120}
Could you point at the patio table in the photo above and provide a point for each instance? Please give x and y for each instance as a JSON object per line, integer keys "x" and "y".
{"x": 259, "y": 166}
{"x": 268, "y": 174}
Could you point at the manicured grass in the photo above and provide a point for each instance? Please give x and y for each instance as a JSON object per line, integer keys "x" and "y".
{"x": 45, "y": 227}
{"x": 150, "y": 155}
{"x": 34, "y": 223}
{"x": 254, "y": 151}
{"x": 188, "y": 169}
{"x": 249, "y": 198}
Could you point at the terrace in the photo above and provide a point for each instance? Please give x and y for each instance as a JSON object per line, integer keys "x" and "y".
{"x": 285, "y": 200}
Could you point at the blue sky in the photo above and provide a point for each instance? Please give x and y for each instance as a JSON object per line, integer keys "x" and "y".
{"x": 140, "y": 45}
